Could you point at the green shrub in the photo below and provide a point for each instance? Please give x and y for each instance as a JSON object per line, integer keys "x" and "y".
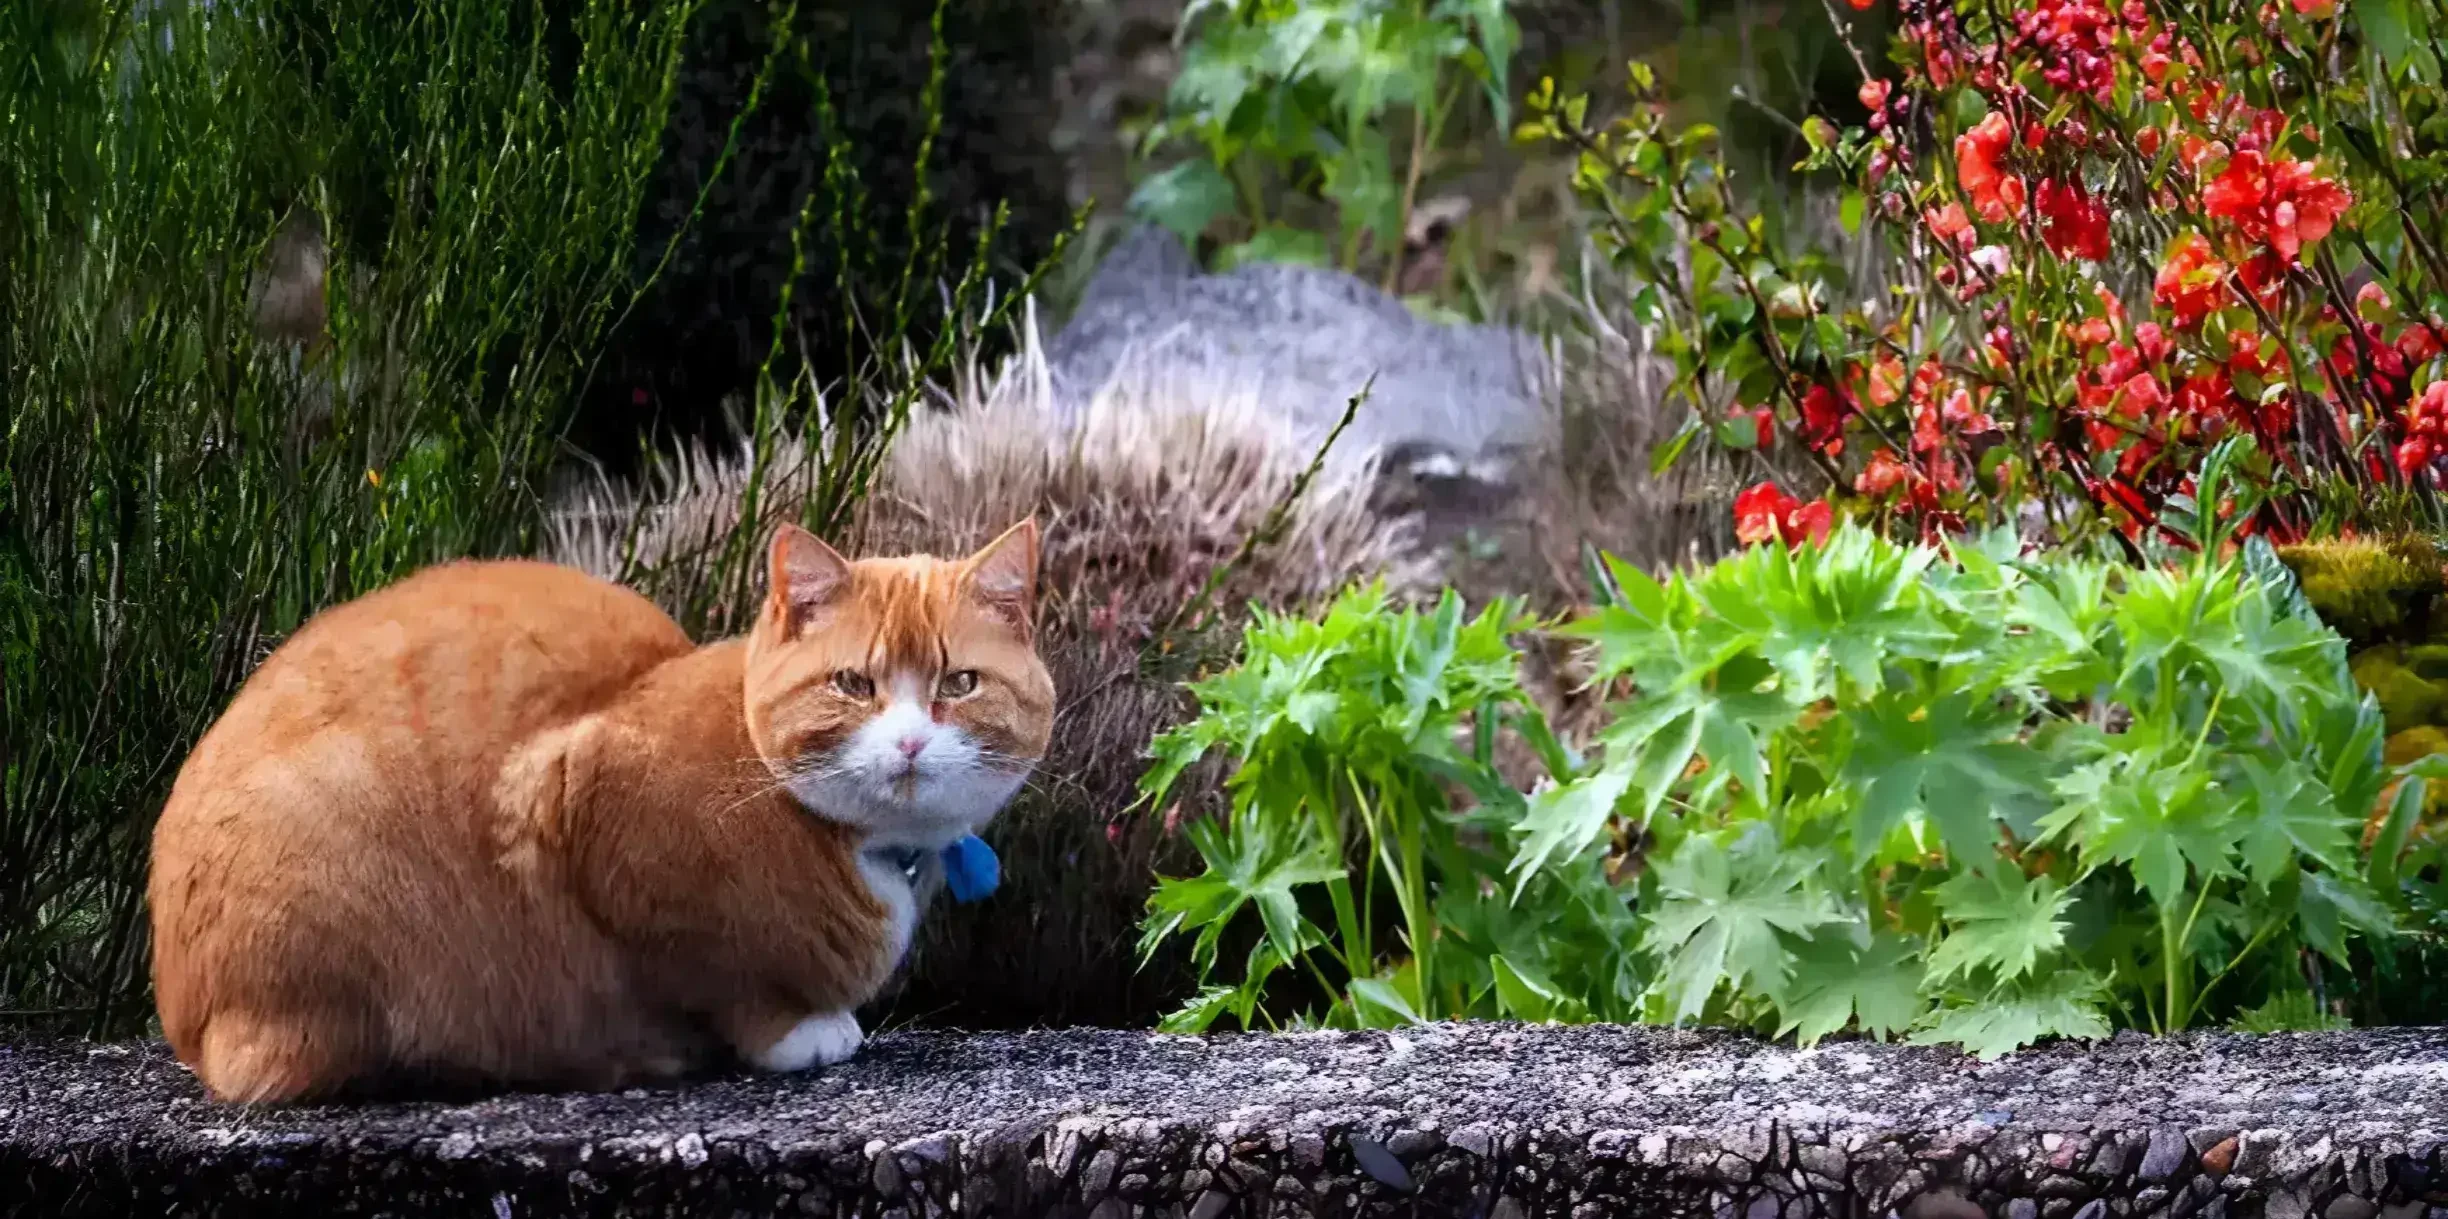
{"x": 1962, "y": 795}
{"x": 1339, "y": 107}
{"x": 179, "y": 489}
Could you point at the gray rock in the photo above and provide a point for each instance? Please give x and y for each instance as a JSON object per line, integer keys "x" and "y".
{"x": 1302, "y": 340}
{"x": 1382, "y": 1166}
{"x": 1099, "y": 1177}
{"x": 1945, "y": 1204}
{"x": 2166, "y": 1154}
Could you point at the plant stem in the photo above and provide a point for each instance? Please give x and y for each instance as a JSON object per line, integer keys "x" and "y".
{"x": 1410, "y": 197}
{"x": 2173, "y": 966}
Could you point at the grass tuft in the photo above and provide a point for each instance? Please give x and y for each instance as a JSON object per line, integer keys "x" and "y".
{"x": 1141, "y": 501}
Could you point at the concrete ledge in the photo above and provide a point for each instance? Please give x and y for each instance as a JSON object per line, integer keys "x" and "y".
{"x": 1488, "y": 1121}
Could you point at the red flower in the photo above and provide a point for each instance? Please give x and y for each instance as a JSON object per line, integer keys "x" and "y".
{"x": 2151, "y": 344}
{"x": 2074, "y": 224}
{"x": 1823, "y": 419}
{"x": 2374, "y": 363}
{"x": 2191, "y": 282}
{"x": 2277, "y": 200}
{"x": 1812, "y": 521}
{"x": 1765, "y": 511}
{"x": 1996, "y": 195}
{"x": 2196, "y": 152}
{"x": 2420, "y": 341}
{"x": 2141, "y": 396}
{"x": 1873, "y": 94}
{"x": 1884, "y": 473}
{"x": 1965, "y": 416}
{"x": 1882, "y": 382}
{"x": 1950, "y": 225}
{"x": 2413, "y": 455}
{"x": 2264, "y": 275}
{"x": 1927, "y": 436}
{"x": 1760, "y": 511}
{"x": 2426, "y": 423}
{"x": 2113, "y": 308}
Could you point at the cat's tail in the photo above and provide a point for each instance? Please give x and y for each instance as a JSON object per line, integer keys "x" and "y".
{"x": 250, "y": 1058}
{"x": 256, "y": 1011}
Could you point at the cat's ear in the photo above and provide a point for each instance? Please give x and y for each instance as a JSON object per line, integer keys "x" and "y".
{"x": 1003, "y": 575}
{"x": 805, "y": 575}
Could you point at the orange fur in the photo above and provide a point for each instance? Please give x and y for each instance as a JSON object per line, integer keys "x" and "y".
{"x": 502, "y": 824}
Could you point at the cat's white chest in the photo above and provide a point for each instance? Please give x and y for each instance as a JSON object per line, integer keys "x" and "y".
{"x": 892, "y": 883}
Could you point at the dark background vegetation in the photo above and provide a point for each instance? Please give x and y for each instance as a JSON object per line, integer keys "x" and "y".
{"x": 1039, "y": 99}
{"x": 696, "y": 339}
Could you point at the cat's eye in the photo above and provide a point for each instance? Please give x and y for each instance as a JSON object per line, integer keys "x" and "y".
{"x": 958, "y": 684}
{"x": 854, "y": 684}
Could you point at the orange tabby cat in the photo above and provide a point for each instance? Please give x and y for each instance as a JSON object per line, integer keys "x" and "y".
{"x": 501, "y": 824}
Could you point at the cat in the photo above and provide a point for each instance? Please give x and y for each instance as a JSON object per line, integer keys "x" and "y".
{"x": 502, "y": 825}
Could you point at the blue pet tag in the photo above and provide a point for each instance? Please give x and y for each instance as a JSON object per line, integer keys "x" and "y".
{"x": 970, "y": 869}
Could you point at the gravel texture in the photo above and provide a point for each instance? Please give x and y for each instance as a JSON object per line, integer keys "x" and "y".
{"x": 1487, "y": 1121}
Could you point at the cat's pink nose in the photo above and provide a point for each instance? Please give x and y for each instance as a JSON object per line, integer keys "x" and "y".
{"x": 911, "y": 745}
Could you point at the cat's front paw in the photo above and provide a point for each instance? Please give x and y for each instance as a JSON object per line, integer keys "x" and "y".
{"x": 818, "y": 1041}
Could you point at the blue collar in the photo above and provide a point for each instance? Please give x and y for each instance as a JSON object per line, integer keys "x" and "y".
{"x": 903, "y": 859}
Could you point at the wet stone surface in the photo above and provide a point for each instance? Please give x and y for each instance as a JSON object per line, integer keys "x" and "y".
{"x": 1489, "y": 1121}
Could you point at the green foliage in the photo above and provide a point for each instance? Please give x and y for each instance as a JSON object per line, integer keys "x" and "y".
{"x": 2083, "y": 790}
{"x": 1283, "y": 104}
{"x": 177, "y": 489}
{"x": 2294, "y": 1011}
{"x": 1350, "y": 727}
{"x": 1965, "y": 796}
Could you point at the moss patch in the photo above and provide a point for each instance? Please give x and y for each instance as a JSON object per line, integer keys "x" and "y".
{"x": 2370, "y": 589}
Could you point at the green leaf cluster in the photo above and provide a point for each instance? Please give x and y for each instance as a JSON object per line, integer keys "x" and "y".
{"x": 1340, "y": 102}
{"x": 1962, "y": 795}
{"x": 1353, "y": 882}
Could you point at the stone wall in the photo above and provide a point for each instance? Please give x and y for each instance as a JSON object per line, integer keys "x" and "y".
{"x": 1485, "y": 1121}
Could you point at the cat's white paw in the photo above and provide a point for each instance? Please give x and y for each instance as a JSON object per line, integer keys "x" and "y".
{"x": 818, "y": 1041}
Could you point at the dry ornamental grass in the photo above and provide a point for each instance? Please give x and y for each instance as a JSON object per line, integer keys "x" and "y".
{"x": 1140, "y": 507}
